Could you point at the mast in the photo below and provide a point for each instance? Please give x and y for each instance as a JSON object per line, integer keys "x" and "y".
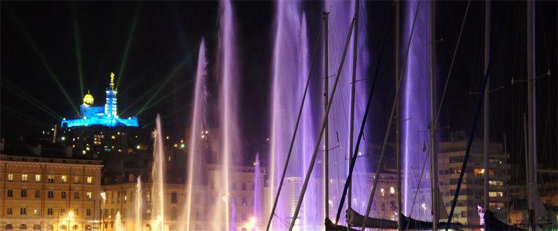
{"x": 352, "y": 119}
{"x": 532, "y": 114}
{"x": 433, "y": 140}
{"x": 326, "y": 139}
{"x": 398, "y": 115}
{"x": 486, "y": 103}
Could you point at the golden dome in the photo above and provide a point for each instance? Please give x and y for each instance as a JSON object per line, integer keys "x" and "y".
{"x": 88, "y": 99}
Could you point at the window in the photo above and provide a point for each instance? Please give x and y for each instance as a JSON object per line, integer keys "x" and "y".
{"x": 64, "y": 178}
{"x": 243, "y": 186}
{"x": 77, "y": 179}
{"x": 88, "y": 212}
{"x": 174, "y": 198}
{"x": 9, "y": 211}
{"x": 24, "y": 177}
{"x": 37, "y": 194}
{"x": 50, "y": 194}
{"x": 496, "y": 183}
{"x": 10, "y": 177}
{"x": 244, "y": 201}
{"x": 495, "y": 194}
{"x": 23, "y": 226}
{"x": 24, "y": 193}
{"x": 50, "y": 178}
{"x": 382, "y": 191}
{"x": 36, "y": 227}
{"x": 50, "y": 227}
{"x": 63, "y": 195}
{"x": 50, "y": 211}
{"x": 23, "y": 211}
{"x": 10, "y": 193}
{"x": 391, "y": 191}
{"x": 89, "y": 195}
{"x": 8, "y": 226}
{"x": 76, "y": 195}
{"x": 36, "y": 211}
{"x": 90, "y": 180}
{"x": 37, "y": 178}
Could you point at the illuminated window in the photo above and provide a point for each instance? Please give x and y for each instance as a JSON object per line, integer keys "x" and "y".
{"x": 391, "y": 190}
{"x": 37, "y": 178}
{"x": 10, "y": 177}
{"x": 64, "y": 179}
{"x": 89, "y": 195}
{"x": 50, "y": 178}
{"x": 24, "y": 177}
{"x": 77, "y": 179}
{"x": 36, "y": 212}
{"x": 90, "y": 180}
{"x": 496, "y": 183}
{"x": 382, "y": 191}
{"x": 495, "y": 194}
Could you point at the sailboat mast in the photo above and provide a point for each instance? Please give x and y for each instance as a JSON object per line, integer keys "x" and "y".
{"x": 398, "y": 115}
{"x": 433, "y": 141}
{"x": 486, "y": 104}
{"x": 326, "y": 135}
{"x": 531, "y": 114}
{"x": 352, "y": 119}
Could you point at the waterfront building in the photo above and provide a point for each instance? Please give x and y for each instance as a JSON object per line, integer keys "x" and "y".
{"x": 451, "y": 155}
{"x": 48, "y": 192}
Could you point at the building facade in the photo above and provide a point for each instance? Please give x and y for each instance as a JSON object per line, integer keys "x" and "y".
{"x": 121, "y": 199}
{"x": 43, "y": 193}
{"x": 451, "y": 155}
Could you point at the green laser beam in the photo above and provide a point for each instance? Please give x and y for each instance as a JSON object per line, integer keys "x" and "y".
{"x": 10, "y": 86}
{"x": 164, "y": 97}
{"x": 43, "y": 60}
{"x": 75, "y": 27}
{"x": 166, "y": 81}
{"x": 35, "y": 103}
{"x": 28, "y": 119}
{"x": 138, "y": 99}
{"x": 127, "y": 47}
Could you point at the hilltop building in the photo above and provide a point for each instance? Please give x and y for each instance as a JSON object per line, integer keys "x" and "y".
{"x": 105, "y": 115}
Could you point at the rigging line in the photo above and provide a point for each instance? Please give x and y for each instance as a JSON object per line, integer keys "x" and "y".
{"x": 452, "y": 63}
{"x": 296, "y": 128}
{"x": 322, "y": 128}
{"x": 472, "y": 135}
{"x": 396, "y": 98}
{"x": 353, "y": 158}
{"x": 417, "y": 190}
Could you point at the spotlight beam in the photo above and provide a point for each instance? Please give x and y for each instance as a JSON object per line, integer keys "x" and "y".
{"x": 164, "y": 97}
{"x": 166, "y": 81}
{"x": 127, "y": 47}
{"x": 43, "y": 60}
{"x": 21, "y": 93}
{"x": 26, "y": 118}
{"x": 75, "y": 27}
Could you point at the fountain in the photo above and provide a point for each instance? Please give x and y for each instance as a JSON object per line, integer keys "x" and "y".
{"x": 228, "y": 101}
{"x": 157, "y": 190}
{"x": 195, "y": 160}
{"x": 340, "y": 15}
{"x": 118, "y": 226}
{"x": 415, "y": 111}
{"x": 257, "y": 212}
{"x": 138, "y": 206}
{"x": 290, "y": 71}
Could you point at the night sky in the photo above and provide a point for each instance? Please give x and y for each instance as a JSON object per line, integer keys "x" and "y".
{"x": 40, "y": 41}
